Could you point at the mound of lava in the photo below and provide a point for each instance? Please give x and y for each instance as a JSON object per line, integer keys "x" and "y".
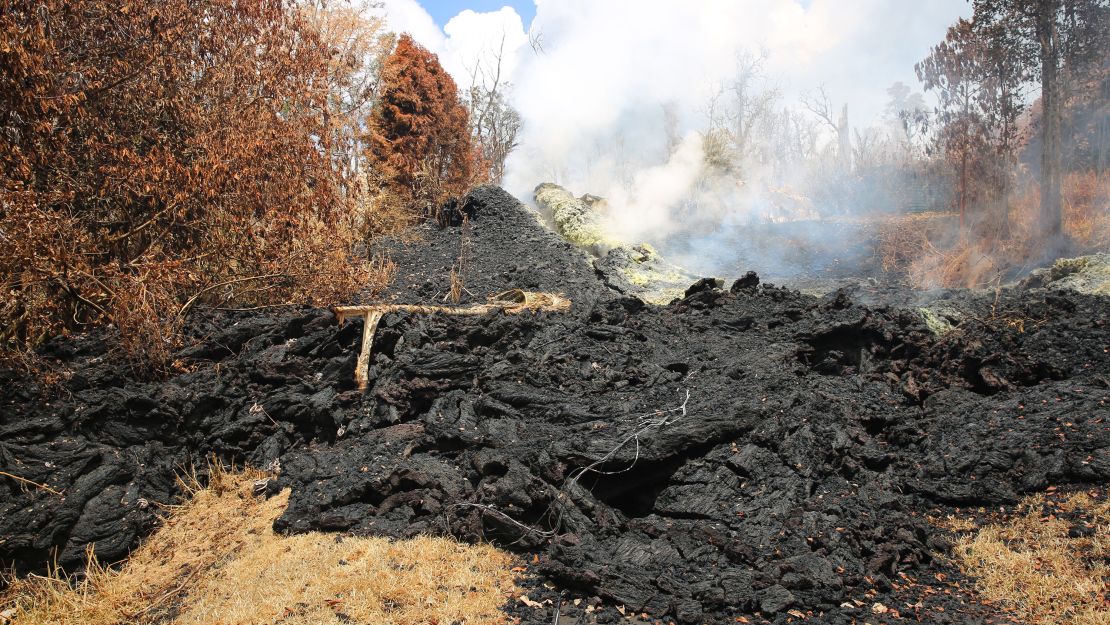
{"x": 746, "y": 449}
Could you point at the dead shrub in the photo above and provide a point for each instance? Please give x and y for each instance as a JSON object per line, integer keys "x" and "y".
{"x": 921, "y": 247}
{"x": 380, "y": 210}
{"x": 896, "y": 240}
{"x": 903, "y": 238}
{"x": 160, "y": 155}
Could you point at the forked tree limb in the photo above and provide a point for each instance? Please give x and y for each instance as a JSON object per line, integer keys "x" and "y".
{"x": 511, "y": 302}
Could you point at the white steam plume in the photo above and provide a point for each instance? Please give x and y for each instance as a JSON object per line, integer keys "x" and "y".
{"x": 615, "y": 94}
{"x": 592, "y": 99}
{"x": 641, "y": 210}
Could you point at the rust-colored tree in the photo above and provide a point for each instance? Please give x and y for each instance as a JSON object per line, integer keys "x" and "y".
{"x": 158, "y": 154}
{"x": 419, "y": 139}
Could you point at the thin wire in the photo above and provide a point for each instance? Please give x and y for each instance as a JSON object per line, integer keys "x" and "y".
{"x": 658, "y": 419}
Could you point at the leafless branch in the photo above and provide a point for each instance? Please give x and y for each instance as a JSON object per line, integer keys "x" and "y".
{"x": 820, "y": 105}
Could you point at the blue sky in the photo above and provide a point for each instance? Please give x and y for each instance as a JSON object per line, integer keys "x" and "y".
{"x": 443, "y": 10}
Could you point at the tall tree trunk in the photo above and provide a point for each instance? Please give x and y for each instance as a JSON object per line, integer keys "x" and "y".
{"x": 844, "y": 141}
{"x": 963, "y": 191}
{"x": 1051, "y": 217}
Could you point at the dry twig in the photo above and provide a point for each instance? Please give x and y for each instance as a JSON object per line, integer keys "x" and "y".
{"x": 27, "y": 482}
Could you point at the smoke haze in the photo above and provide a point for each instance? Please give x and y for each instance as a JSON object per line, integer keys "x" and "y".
{"x": 617, "y": 97}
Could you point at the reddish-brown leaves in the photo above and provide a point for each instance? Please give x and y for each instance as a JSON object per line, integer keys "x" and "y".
{"x": 154, "y": 150}
{"x": 419, "y": 139}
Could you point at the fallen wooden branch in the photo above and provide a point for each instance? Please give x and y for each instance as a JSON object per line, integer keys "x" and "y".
{"x": 27, "y": 482}
{"x": 511, "y": 302}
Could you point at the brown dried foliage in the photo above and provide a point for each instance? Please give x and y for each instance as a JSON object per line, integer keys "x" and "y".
{"x": 931, "y": 251}
{"x": 158, "y": 154}
{"x": 419, "y": 138}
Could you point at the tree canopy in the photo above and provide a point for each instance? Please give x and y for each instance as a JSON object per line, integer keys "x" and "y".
{"x": 419, "y": 137}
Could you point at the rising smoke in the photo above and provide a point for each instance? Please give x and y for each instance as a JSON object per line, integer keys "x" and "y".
{"x": 689, "y": 118}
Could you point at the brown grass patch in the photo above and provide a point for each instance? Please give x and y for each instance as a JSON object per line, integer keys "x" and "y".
{"x": 932, "y": 251}
{"x": 1032, "y": 564}
{"x": 216, "y": 560}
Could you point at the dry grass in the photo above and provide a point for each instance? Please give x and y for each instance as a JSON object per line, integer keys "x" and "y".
{"x": 932, "y": 251}
{"x": 929, "y": 250}
{"x": 454, "y": 295}
{"x": 217, "y": 561}
{"x": 1031, "y": 564}
{"x": 1086, "y": 214}
{"x": 963, "y": 264}
{"x": 458, "y": 283}
{"x": 901, "y": 238}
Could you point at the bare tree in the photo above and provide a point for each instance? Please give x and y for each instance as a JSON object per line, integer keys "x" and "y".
{"x": 535, "y": 39}
{"x": 494, "y": 124}
{"x": 739, "y": 114}
{"x": 821, "y": 106}
{"x": 801, "y": 135}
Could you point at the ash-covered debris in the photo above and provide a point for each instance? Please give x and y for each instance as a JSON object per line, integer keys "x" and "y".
{"x": 575, "y": 219}
{"x": 745, "y": 449}
{"x": 1086, "y": 274}
{"x": 638, "y": 270}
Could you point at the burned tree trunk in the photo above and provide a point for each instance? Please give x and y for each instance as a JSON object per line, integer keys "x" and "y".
{"x": 1051, "y": 211}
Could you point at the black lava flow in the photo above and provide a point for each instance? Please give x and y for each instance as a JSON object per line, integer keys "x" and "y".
{"x": 746, "y": 449}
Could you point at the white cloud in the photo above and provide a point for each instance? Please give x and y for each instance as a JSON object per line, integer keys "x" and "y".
{"x": 466, "y": 39}
{"x": 407, "y": 16}
{"x": 478, "y": 38}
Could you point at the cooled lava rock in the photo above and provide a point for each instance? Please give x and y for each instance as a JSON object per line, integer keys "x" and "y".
{"x": 736, "y": 451}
